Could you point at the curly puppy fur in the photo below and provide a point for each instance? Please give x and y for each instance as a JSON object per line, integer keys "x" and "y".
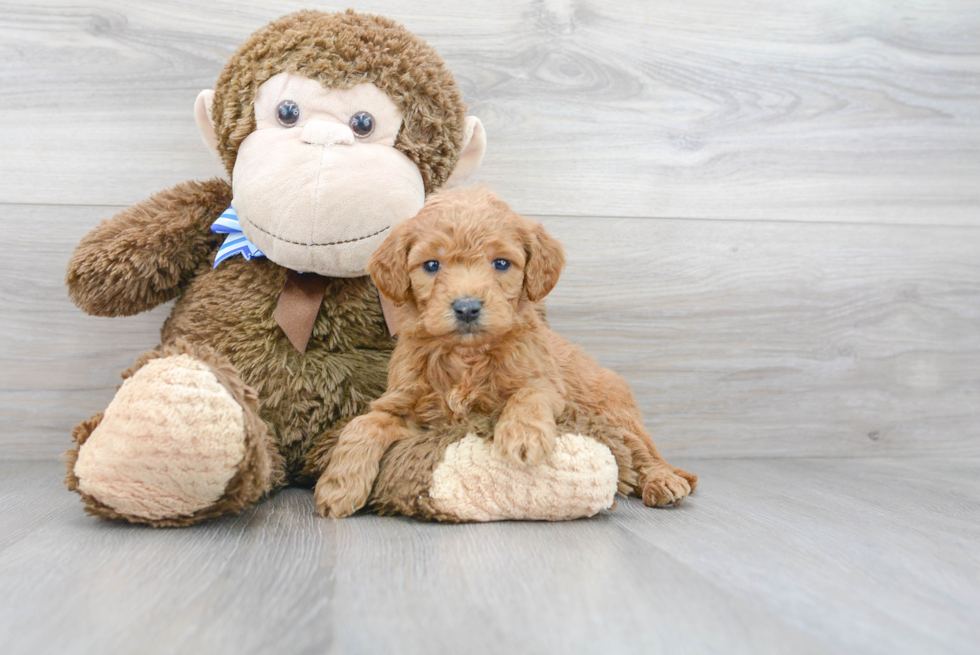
{"x": 409, "y": 70}
{"x": 447, "y": 367}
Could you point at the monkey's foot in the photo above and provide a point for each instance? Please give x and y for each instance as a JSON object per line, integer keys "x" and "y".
{"x": 179, "y": 442}
{"x": 472, "y": 484}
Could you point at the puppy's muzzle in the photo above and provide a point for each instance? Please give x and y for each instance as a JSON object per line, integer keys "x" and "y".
{"x": 467, "y": 310}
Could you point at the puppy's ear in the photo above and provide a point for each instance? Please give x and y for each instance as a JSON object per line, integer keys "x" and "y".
{"x": 545, "y": 260}
{"x": 388, "y": 265}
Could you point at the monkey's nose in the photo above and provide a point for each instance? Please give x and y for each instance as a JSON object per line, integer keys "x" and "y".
{"x": 327, "y": 133}
{"x": 467, "y": 310}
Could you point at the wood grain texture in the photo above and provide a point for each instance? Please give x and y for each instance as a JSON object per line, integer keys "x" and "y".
{"x": 772, "y": 217}
{"x": 817, "y": 111}
{"x": 770, "y": 556}
{"x": 740, "y": 338}
{"x": 751, "y": 339}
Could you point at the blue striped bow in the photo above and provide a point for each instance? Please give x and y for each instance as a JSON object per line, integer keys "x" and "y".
{"x": 235, "y": 243}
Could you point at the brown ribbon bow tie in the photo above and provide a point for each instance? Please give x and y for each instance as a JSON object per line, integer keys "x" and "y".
{"x": 299, "y": 303}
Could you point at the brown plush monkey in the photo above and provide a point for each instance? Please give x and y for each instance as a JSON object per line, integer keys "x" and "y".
{"x": 333, "y": 128}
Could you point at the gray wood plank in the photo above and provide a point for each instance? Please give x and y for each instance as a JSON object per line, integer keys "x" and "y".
{"x": 753, "y": 339}
{"x": 876, "y": 555}
{"x": 816, "y": 111}
{"x": 58, "y": 366}
{"x": 31, "y": 496}
{"x": 770, "y": 556}
{"x": 740, "y": 338}
{"x": 118, "y": 588}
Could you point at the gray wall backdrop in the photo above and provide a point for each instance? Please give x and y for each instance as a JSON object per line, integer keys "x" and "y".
{"x": 771, "y": 209}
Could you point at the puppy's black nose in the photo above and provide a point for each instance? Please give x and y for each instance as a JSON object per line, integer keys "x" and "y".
{"x": 467, "y": 309}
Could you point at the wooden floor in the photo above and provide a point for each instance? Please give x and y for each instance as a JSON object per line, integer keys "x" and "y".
{"x": 770, "y": 556}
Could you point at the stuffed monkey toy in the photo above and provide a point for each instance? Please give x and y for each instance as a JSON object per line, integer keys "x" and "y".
{"x": 332, "y": 128}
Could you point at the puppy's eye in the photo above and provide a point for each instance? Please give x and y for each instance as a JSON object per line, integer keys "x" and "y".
{"x": 362, "y": 124}
{"x": 501, "y": 265}
{"x": 431, "y": 266}
{"x": 287, "y": 113}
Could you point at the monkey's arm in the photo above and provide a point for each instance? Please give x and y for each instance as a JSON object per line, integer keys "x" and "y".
{"x": 142, "y": 256}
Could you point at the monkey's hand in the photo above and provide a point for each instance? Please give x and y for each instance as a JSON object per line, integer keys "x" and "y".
{"x": 140, "y": 257}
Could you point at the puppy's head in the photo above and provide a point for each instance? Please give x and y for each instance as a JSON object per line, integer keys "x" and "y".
{"x": 466, "y": 267}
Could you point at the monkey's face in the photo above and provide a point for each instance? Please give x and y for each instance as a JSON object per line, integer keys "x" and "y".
{"x": 318, "y": 185}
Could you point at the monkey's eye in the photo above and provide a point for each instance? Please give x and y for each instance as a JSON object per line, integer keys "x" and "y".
{"x": 362, "y": 124}
{"x": 287, "y": 113}
{"x": 431, "y": 266}
{"x": 501, "y": 265}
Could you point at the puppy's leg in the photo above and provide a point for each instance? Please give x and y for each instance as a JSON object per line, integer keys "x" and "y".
{"x": 659, "y": 483}
{"x": 656, "y": 481}
{"x": 346, "y": 483}
{"x": 526, "y": 431}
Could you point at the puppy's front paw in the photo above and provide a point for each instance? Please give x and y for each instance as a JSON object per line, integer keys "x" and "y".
{"x": 336, "y": 499}
{"x": 665, "y": 488}
{"x": 524, "y": 441}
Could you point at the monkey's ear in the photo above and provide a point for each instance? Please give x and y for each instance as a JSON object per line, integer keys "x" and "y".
{"x": 202, "y": 115}
{"x": 545, "y": 260}
{"x": 474, "y": 147}
{"x": 388, "y": 265}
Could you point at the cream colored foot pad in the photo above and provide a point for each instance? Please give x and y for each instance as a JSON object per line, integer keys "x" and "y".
{"x": 472, "y": 484}
{"x": 169, "y": 442}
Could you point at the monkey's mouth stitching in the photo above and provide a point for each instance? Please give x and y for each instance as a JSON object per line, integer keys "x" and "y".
{"x": 301, "y": 243}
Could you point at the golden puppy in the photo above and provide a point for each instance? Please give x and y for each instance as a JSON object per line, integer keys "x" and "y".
{"x": 466, "y": 274}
